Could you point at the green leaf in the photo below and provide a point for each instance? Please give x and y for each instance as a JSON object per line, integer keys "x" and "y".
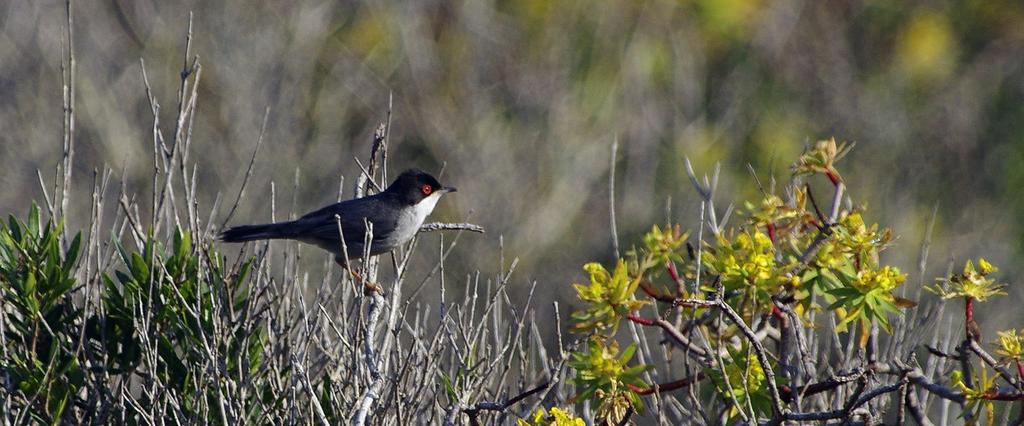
{"x": 843, "y": 292}
{"x": 125, "y": 256}
{"x": 33, "y": 220}
{"x": 851, "y": 316}
{"x": 72, "y": 254}
{"x": 627, "y": 354}
{"x": 12, "y": 225}
{"x": 871, "y": 300}
{"x": 449, "y": 389}
{"x": 847, "y": 273}
{"x": 139, "y": 268}
{"x": 29, "y": 288}
{"x": 632, "y": 372}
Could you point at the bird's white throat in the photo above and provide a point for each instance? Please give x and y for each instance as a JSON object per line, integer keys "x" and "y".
{"x": 422, "y": 209}
{"x": 411, "y": 218}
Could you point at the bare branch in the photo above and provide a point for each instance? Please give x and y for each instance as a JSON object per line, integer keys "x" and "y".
{"x": 248, "y": 169}
{"x": 475, "y": 410}
{"x": 439, "y": 226}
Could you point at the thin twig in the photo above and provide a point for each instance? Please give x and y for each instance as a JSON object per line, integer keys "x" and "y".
{"x": 248, "y": 169}
{"x": 439, "y": 226}
{"x": 69, "y": 114}
{"x": 611, "y": 198}
{"x": 475, "y": 410}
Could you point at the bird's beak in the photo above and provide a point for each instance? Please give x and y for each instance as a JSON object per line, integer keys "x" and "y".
{"x": 448, "y": 189}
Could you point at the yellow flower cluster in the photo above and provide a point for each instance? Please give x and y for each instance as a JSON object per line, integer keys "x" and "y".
{"x": 821, "y": 159}
{"x": 604, "y": 373}
{"x": 663, "y": 245}
{"x": 1011, "y": 344}
{"x": 887, "y": 279}
{"x": 555, "y": 417}
{"x": 604, "y": 362}
{"x": 861, "y": 241}
{"x": 610, "y": 296}
{"x": 973, "y": 283}
{"x": 746, "y": 261}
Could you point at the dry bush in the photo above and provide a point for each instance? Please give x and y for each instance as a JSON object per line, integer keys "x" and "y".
{"x": 139, "y": 318}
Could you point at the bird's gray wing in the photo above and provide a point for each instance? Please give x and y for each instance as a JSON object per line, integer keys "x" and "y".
{"x": 323, "y": 224}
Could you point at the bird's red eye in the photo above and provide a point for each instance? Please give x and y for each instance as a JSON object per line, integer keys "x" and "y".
{"x": 427, "y": 189}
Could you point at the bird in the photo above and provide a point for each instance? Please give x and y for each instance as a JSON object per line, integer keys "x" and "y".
{"x": 396, "y": 215}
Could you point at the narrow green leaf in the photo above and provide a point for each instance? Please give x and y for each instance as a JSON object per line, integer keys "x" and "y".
{"x": 627, "y": 354}
{"x": 33, "y": 220}
{"x": 12, "y": 225}
{"x": 72, "y": 254}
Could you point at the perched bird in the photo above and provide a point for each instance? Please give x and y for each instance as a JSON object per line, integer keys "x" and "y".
{"x": 396, "y": 214}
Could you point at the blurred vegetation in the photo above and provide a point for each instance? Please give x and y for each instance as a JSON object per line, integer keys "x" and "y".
{"x": 519, "y": 101}
{"x": 764, "y": 303}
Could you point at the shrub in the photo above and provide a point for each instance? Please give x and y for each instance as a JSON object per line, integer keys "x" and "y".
{"x": 761, "y": 310}
{"x": 791, "y": 315}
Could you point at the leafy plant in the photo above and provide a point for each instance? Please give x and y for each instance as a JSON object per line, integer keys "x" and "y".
{"x": 610, "y": 297}
{"x": 747, "y": 264}
{"x": 867, "y": 298}
{"x": 785, "y": 264}
{"x": 171, "y": 291}
{"x": 42, "y": 323}
{"x": 742, "y": 380}
{"x": 972, "y": 283}
{"x": 822, "y": 160}
{"x": 604, "y": 373}
{"x": 554, "y": 417}
{"x": 979, "y": 398}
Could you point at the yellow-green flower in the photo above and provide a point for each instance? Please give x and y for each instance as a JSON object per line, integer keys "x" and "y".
{"x": 1011, "y": 345}
{"x": 862, "y": 242}
{"x": 603, "y": 373}
{"x": 747, "y": 262}
{"x": 746, "y": 259}
{"x": 775, "y": 213}
{"x": 555, "y": 417}
{"x": 972, "y": 283}
{"x": 886, "y": 279}
{"x": 868, "y": 297}
{"x": 663, "y": 245}
{"x": 821, "y": 159}
{"x": 744, "y": 380}
{"x": 610, "y": 297}
{"x": 830, "y": 256}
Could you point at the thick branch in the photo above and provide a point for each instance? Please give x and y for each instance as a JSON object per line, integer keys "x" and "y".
{"x": 833, "y": 382}
{"x": 778, "y": 408}
{"x": 696, "y": 352}
{"x": 985, "y": 356}
{"x": 475, "y": 410}
{"x": 850, "y": 406}
{"x": 438, "y": 226}
{"x": 667, "y": 387}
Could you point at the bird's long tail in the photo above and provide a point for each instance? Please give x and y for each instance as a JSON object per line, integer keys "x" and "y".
{"x": 267, "y": 231}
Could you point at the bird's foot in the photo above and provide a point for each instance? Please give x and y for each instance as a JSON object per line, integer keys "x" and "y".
{"x": 369, "y": 287}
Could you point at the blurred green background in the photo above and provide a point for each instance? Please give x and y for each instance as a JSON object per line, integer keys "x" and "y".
{"x": 520, "y": 101}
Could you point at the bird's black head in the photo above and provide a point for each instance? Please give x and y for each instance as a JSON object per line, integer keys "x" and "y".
{"x": 415, "y": 185}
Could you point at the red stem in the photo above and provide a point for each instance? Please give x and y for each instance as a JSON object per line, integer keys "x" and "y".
{"x": 1003, "y": 397}
{"x": 640, "y": 320}
{"x": 653, "y": 293}
{"x": 771, "y": 232}
{"x": 665, "y": 387}
{"x": 672, "y": 272}
{"x": 832, "y": 176}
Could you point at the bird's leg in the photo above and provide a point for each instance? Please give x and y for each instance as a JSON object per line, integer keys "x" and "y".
{"x": 369, "y": 287}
